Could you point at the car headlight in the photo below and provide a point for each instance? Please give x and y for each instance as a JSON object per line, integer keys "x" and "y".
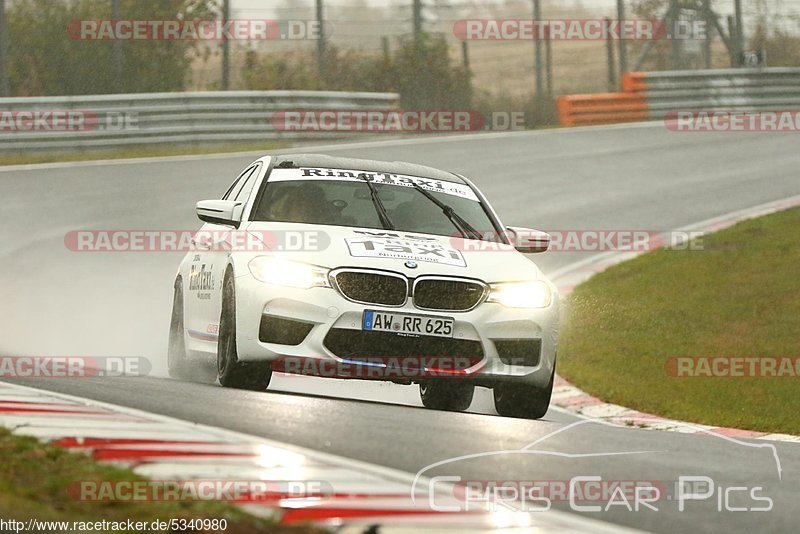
{"x": 288, "y": 273}
{"x": 522, "y": 294}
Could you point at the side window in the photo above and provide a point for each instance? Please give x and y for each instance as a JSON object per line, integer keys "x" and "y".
{"x": 247, "y": 186}
{"x": 237, "y": 184}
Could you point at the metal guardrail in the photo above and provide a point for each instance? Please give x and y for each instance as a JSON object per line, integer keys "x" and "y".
{"x": 207, "y": 118}
{"x": 652, "y": 95}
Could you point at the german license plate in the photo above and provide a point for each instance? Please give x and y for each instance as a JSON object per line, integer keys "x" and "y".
{"x": 406, "y": 323}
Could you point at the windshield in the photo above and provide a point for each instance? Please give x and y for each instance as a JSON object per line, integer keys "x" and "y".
{"x": 348, "y": 202}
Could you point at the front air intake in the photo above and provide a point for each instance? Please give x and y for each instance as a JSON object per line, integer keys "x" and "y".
{"x": 372, "y": 287}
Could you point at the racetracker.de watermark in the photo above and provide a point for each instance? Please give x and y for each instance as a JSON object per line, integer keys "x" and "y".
{"x": 583, "y": 240}
{"x": 733, "y": 121}
{"x": 194, "y": 30}
{"x": 73, "y": 366}
{"x": 196, "y": 241}
{"x": 65, "y": 120}
{"x": 394, "y": 121}
{"x": 236, "y": 491}
{"x": 540, "y": 495}
{"x": 577, "y": 30}
{"x": 408, "y": 367}
{"x": 733, "y": 367}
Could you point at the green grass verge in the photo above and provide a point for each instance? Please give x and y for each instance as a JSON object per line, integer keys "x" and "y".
{"x": 34, "y": 478}
{"x": 137, "y": 152}
{"x": 739, "y": 296}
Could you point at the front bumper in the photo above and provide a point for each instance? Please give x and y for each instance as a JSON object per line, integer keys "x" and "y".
{"x": 486, "y": 338}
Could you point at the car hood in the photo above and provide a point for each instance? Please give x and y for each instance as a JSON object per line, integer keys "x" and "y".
{"x": 409, "y": 253}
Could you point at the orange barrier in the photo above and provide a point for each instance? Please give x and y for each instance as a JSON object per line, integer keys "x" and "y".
{"x": 602, "y": 108}
{"x": 634, "y": 82}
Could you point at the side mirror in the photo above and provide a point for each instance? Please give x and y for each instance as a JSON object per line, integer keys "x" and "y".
{"x": 527, "y": 240}
{"x": 226, "y": 212}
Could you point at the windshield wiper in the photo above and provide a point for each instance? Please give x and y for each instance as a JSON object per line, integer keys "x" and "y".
{"x": 379, "y": 207}
{"x": 466, "y": 229}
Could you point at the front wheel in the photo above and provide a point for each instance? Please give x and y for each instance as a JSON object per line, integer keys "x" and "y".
{"x": 233, "y": 373}
{"x": 524, "y": 401}
{"x": 448, "y": 395}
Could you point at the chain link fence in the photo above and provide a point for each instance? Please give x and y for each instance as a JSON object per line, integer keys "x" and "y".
{"x": 506, "y": 68}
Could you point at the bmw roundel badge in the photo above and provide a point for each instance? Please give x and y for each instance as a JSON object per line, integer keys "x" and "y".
{"x": 411, "y": 264}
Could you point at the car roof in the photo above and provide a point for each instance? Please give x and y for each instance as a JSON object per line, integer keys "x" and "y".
{"x": 368, "y": 165}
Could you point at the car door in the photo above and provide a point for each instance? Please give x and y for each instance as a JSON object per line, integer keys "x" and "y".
{"x": 224, "y": 242}
{"x": 204, "y": 282}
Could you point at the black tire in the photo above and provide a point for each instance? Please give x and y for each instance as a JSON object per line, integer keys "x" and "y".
{"x": 254, "y": 376}
{"x": 447, "y": 395}
{"x": 178, "y": 364}
{"x": 523, "y": 401}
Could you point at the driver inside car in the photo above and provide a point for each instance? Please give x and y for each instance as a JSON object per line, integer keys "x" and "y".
{"x": 303, "y": 204}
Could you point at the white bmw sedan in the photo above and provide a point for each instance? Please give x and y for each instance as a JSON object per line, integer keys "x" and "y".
{"x": 346, "y": 268}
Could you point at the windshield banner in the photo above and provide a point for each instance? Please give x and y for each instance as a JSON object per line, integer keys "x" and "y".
{"x": 381, "y": 178}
